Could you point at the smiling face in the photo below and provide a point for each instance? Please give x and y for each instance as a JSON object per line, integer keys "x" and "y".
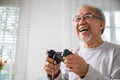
{"x": 88, "y": 24}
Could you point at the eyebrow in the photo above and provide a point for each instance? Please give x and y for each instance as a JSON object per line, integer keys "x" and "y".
{"x": 94, "y": 16}
{"x": 88, "y": 13}
{"x": 84, "y": 14}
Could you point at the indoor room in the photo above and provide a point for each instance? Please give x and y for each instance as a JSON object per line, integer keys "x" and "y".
{"x": 28, "y": 28}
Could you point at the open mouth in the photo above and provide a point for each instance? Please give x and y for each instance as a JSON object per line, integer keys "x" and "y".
{"x": 84, "y": 29}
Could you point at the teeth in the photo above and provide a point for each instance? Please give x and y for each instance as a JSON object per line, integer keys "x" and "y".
{"x": 84, "y": 29}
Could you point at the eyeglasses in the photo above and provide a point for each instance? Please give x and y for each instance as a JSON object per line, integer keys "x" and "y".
{"x": 88, "y": 16}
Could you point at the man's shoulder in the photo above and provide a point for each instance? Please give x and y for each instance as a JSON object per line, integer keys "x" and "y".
{"x": 115, "y": 47}
{"x": 112, "y": 45}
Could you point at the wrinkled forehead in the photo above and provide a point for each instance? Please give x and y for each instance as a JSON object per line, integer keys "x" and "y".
{"x": 86, "y": 10}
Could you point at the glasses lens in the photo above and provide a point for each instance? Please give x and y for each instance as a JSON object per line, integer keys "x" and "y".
{"x": 77, "y": 18}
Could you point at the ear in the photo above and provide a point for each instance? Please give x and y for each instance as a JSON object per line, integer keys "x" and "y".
{"x": 102, "y": 25}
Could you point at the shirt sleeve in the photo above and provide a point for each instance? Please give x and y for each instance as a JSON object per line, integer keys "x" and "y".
{"x": 60, "y": 76}
{"x": 95, "y": 75}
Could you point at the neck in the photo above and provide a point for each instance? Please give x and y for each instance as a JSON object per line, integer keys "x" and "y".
{"x": 93, "y": 43}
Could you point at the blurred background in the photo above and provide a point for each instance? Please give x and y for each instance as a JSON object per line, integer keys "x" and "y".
{"x": 30, "y": 27}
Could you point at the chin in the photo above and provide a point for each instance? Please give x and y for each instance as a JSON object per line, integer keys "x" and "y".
{"x": 85, "y": 39}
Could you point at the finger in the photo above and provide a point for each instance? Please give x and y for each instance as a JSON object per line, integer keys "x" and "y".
{"x": 67, "y": 61}
{"x": 70, "y": 65}
{"x": 50, "y": 65}
{"x": 48, "y": 70}
{"x": 72, "y": 68}
{"x": 50, "y": 60}
{"x": 46, "y": 51}
{"x": 69, "y": 56}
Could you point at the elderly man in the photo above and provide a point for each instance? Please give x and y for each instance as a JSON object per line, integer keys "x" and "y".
{"x": 95, "y": 59}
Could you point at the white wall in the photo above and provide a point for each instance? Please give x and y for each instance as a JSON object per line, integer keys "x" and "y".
{"x": 50, "y": 28}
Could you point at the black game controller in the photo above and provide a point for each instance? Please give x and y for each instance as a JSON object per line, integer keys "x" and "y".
{"x": 58, "y": 56}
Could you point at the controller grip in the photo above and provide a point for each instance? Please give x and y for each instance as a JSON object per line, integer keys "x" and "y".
{"x": 66, "y": 52}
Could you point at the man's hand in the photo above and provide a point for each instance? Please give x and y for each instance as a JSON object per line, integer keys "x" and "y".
{"x": 76, "y": 64}
{"x": 49, "y": 66}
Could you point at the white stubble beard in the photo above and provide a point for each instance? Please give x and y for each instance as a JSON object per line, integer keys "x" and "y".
{"x": 85, "y": 39}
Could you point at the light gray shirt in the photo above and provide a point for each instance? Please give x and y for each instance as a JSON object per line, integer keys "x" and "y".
{"x": 104, "y": 63}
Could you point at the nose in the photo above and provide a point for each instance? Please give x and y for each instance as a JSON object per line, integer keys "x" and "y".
{"x": 82, "y": 21}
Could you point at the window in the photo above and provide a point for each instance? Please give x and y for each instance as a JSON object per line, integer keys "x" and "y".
{"x": 14, "y": 34}
{"x": 117, "y": 26}
{"x": 8, "y": 36}
{"x": 112, "y": 30}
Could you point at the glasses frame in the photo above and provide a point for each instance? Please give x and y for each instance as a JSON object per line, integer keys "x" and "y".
{"x": 87, "y": 16}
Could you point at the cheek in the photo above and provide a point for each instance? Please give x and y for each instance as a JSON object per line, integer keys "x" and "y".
{"x": 96, "y": 29}
{"x": 76, "y": 28}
